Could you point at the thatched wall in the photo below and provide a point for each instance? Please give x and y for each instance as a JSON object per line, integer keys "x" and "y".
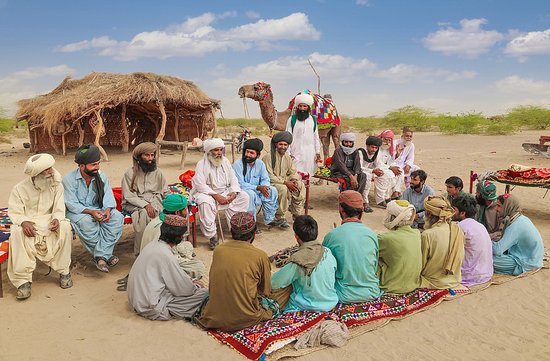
{"x": 118, "y": 104}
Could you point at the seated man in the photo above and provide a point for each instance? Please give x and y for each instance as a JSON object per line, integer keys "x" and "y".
{"x": 478, "y": 253}
{"x": 175, "y": 203}
{"x": 404, "y": 154}
{"x": 416, "y": 194}
{"x": 442, "y": 246}
{"x": 310, "y": 271}
{"x": 521, "y": 248}
{"x": 486, "y": 197}
{"x": 387, "y": 156}
{"x": 254, "y": 180}
{"x": 374, "y": 168}
{"x": 215, "y": 184}
{"x": 240, "y": 278}
{"x": 39, "y": 230}
{"x": 91, "y": 207}
{"x": 355, "y": 247}
{"x": 283, "y": 176}
{"x": 455, "y": 188}
{"x": 346, "y": 164}
{"x": 158, "y": 289}
{"x": 143, "y": 187}
{"x": 400, "y": 253}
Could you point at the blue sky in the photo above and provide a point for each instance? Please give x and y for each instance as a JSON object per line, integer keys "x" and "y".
{"x": 373, "y": 55}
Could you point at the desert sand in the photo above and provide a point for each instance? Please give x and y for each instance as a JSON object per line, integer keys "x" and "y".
{"x": 92, "y": 320}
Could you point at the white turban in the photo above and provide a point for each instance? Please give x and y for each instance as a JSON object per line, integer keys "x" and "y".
{"x": 213, "y": 143}
{"x": 349, "y": 137}
{"x": 399, "y": 213}
{"x": 38, "y": 163}
{"x": 303, "y": 99}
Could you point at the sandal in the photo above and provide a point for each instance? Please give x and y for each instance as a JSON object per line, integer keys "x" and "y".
{"x": 111, "y": 262}
{"x": 122, "y": 284}
{"x": 101, "y": 264}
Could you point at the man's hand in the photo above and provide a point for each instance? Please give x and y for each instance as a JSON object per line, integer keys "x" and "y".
{"x": 396, "y": 170}
{"x": 97, "y": 215}
{"x": 317, "y": 158}
{"x": 353, "y": 181}
{"x": 292, "y": 185}
{"x": 378, "y": 172}
{"x": 416, "y": 217}
{"x": 106, "y": 214}
{"x": 264, "y": 190}
{"x": 406, "y": 168}
{"x": 220, "y": 199}
{"x": 231, "y": 197}
{"x": 54, "y": 225}
{"x": 28, "y": 229}
{"x": 151, "y": 212}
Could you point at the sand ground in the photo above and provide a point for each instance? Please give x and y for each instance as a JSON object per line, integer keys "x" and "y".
{"x": 92, "y": 321}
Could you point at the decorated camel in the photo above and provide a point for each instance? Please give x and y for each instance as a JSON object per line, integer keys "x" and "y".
{"x": 328, "y": 120}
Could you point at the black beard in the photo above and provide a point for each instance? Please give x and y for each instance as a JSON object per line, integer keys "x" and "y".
{"x": 249, "y": 160}
{"x": 147, "y": 166}
{"x": 91, "y": 173}
{"x": 302, "y": 115}
{"x": 416, "y": 187}
{"x": 480, "y": 201}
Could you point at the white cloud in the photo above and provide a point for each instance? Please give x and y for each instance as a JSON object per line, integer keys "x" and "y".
{"x": 361, "y": 2}
{"x": 531, "y": 43}
{"x": 252, "y": 14}
{"x": 197, "y": 36}
{"x": 470, "y": 40}
{"x": 402, "y": 73}
{"x": 517, "y": 85}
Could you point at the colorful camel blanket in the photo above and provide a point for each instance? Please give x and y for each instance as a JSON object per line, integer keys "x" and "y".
{"x": 252, "y": 342}
{"x": 323, "y": 110}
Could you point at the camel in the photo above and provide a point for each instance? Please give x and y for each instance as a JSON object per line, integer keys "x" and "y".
{"x": 261, "y": 92}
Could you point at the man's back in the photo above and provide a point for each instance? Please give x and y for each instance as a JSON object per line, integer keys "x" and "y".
{"x": 239, "y": 274}
{"x": 355, "y": 248}
{"x": 478, "y": 253}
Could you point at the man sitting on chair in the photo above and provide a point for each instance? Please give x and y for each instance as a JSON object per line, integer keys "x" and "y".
{"x": 254, "y": 180}
{"x": 214, "y": 185}
{"x": 346, "y": 164}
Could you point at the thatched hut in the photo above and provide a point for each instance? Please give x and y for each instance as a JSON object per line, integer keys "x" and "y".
{"x": 117, "y": 110}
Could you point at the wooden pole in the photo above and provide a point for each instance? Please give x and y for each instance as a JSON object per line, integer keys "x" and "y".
{"x": 63, "y": 144}
{"x": 98, "y": 131}
{"x": 80, "y": 134}
{"x": 162, "y": 130}
{"x": 125, "y": 135}
{"x": 176, "y": 124}
{"x": 318, "y": 77}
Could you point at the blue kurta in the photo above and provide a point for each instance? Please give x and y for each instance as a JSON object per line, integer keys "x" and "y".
{"x": 524, "y": 246}
{"x": 257, "y": 175}
{"x": 99, "y": 238}
{"x": 313, "y": 293}
{"x": 355, "y": 247}
{"x": 417, "y": 200}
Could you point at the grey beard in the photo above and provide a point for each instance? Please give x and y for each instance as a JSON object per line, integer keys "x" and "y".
{"x": 216, "y": 162}
{"x": 43, "y": 183}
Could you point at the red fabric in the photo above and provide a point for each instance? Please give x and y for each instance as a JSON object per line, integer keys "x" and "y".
{"x": 4, "y": 247}
{"x": 186, "y": 177}
{"x": 117, "y": 192}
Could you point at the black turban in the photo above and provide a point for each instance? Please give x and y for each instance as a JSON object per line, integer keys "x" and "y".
{"x": 374, "y": 141}
{"x": 254, "y": 144}
{"x": 86, "y": 154}
{"x": 283, "y": 136}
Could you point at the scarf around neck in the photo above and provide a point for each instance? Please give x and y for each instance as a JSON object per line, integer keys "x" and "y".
{"x": 308, "y": 256}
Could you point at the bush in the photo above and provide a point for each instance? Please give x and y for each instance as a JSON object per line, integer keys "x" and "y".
{"x": 419, "y": 119}
{"x": 529, "y": 116}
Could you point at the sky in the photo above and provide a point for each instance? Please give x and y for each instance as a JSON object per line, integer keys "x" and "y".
{"x": 373, "y": 56}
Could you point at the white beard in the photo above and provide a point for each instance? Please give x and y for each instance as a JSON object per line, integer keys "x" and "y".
{"x": 216, "y": 162}
{"x": 385, "y": 146}
{"x": 43, "y": 183}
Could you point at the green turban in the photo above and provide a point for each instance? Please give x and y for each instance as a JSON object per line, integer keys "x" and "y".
{"x": 487, "y": 189}
{"x": 173, "y": 202}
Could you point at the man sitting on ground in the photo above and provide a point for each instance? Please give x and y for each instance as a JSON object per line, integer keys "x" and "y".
{"x": 455, "y": 188}
{"x": 310, "y": 271}
{"x": 254, "y": 180}
{"x": 215, "y": 184}
{"x": 478, "y": 252}
{"x": 416, "y": 194}
{"x": 39, "y": 230}
{"x": 143, "y": 187}
{"x": 442, "y": 246}
{"x": 158, "y": 289}
{"x": 346, "y": 164}
{"x": 240, "y": 278}
{"x": 486, "y": 197}
{"x": 387, "y": 156}
{"x": 91, "y": 207}
{"x": 374, "y": 168}
{"x": 521, "y": 248}
{"x": 355, "y": 247}
{"x": 404, "y": 154}
{"x": 284, "y": 177}
{"x": 400, "y": 252}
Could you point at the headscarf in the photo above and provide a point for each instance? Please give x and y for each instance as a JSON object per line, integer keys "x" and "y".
{"x": 212, "y": 143}
{"x": 372, "y": 141}
{"x": 350, "y": 137}
{"x": 172, "y": 203}
{"x": 487, "y": 189}
{"x": 242, "y": 223}
{"x": 283, "y": 136}
{"x": 351, "y": 198}
{"x": 254, "y": 144}
{"x": 303, "y": 99}
{"x": 388, "y": 133}
{"x": 38, "y": 163}
{"x": 86, "y": 154}
{"x": 439, "y": 207}
{"x": 399, "y": 213}
{"x": 511, "y": 210}
{"x": 142, "y": 148}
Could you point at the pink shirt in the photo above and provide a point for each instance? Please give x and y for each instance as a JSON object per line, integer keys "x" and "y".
{"x": 478, "y": 253}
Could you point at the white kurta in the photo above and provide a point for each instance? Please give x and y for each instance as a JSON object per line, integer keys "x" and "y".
{"x": 386, "y": 158}
{"x": 382, "y": 184}
{"x": 405, "y": 157}
{"x": 27, "y": 203}
{"x": 220, "y": 180}
{"x": 305, "y": 145}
